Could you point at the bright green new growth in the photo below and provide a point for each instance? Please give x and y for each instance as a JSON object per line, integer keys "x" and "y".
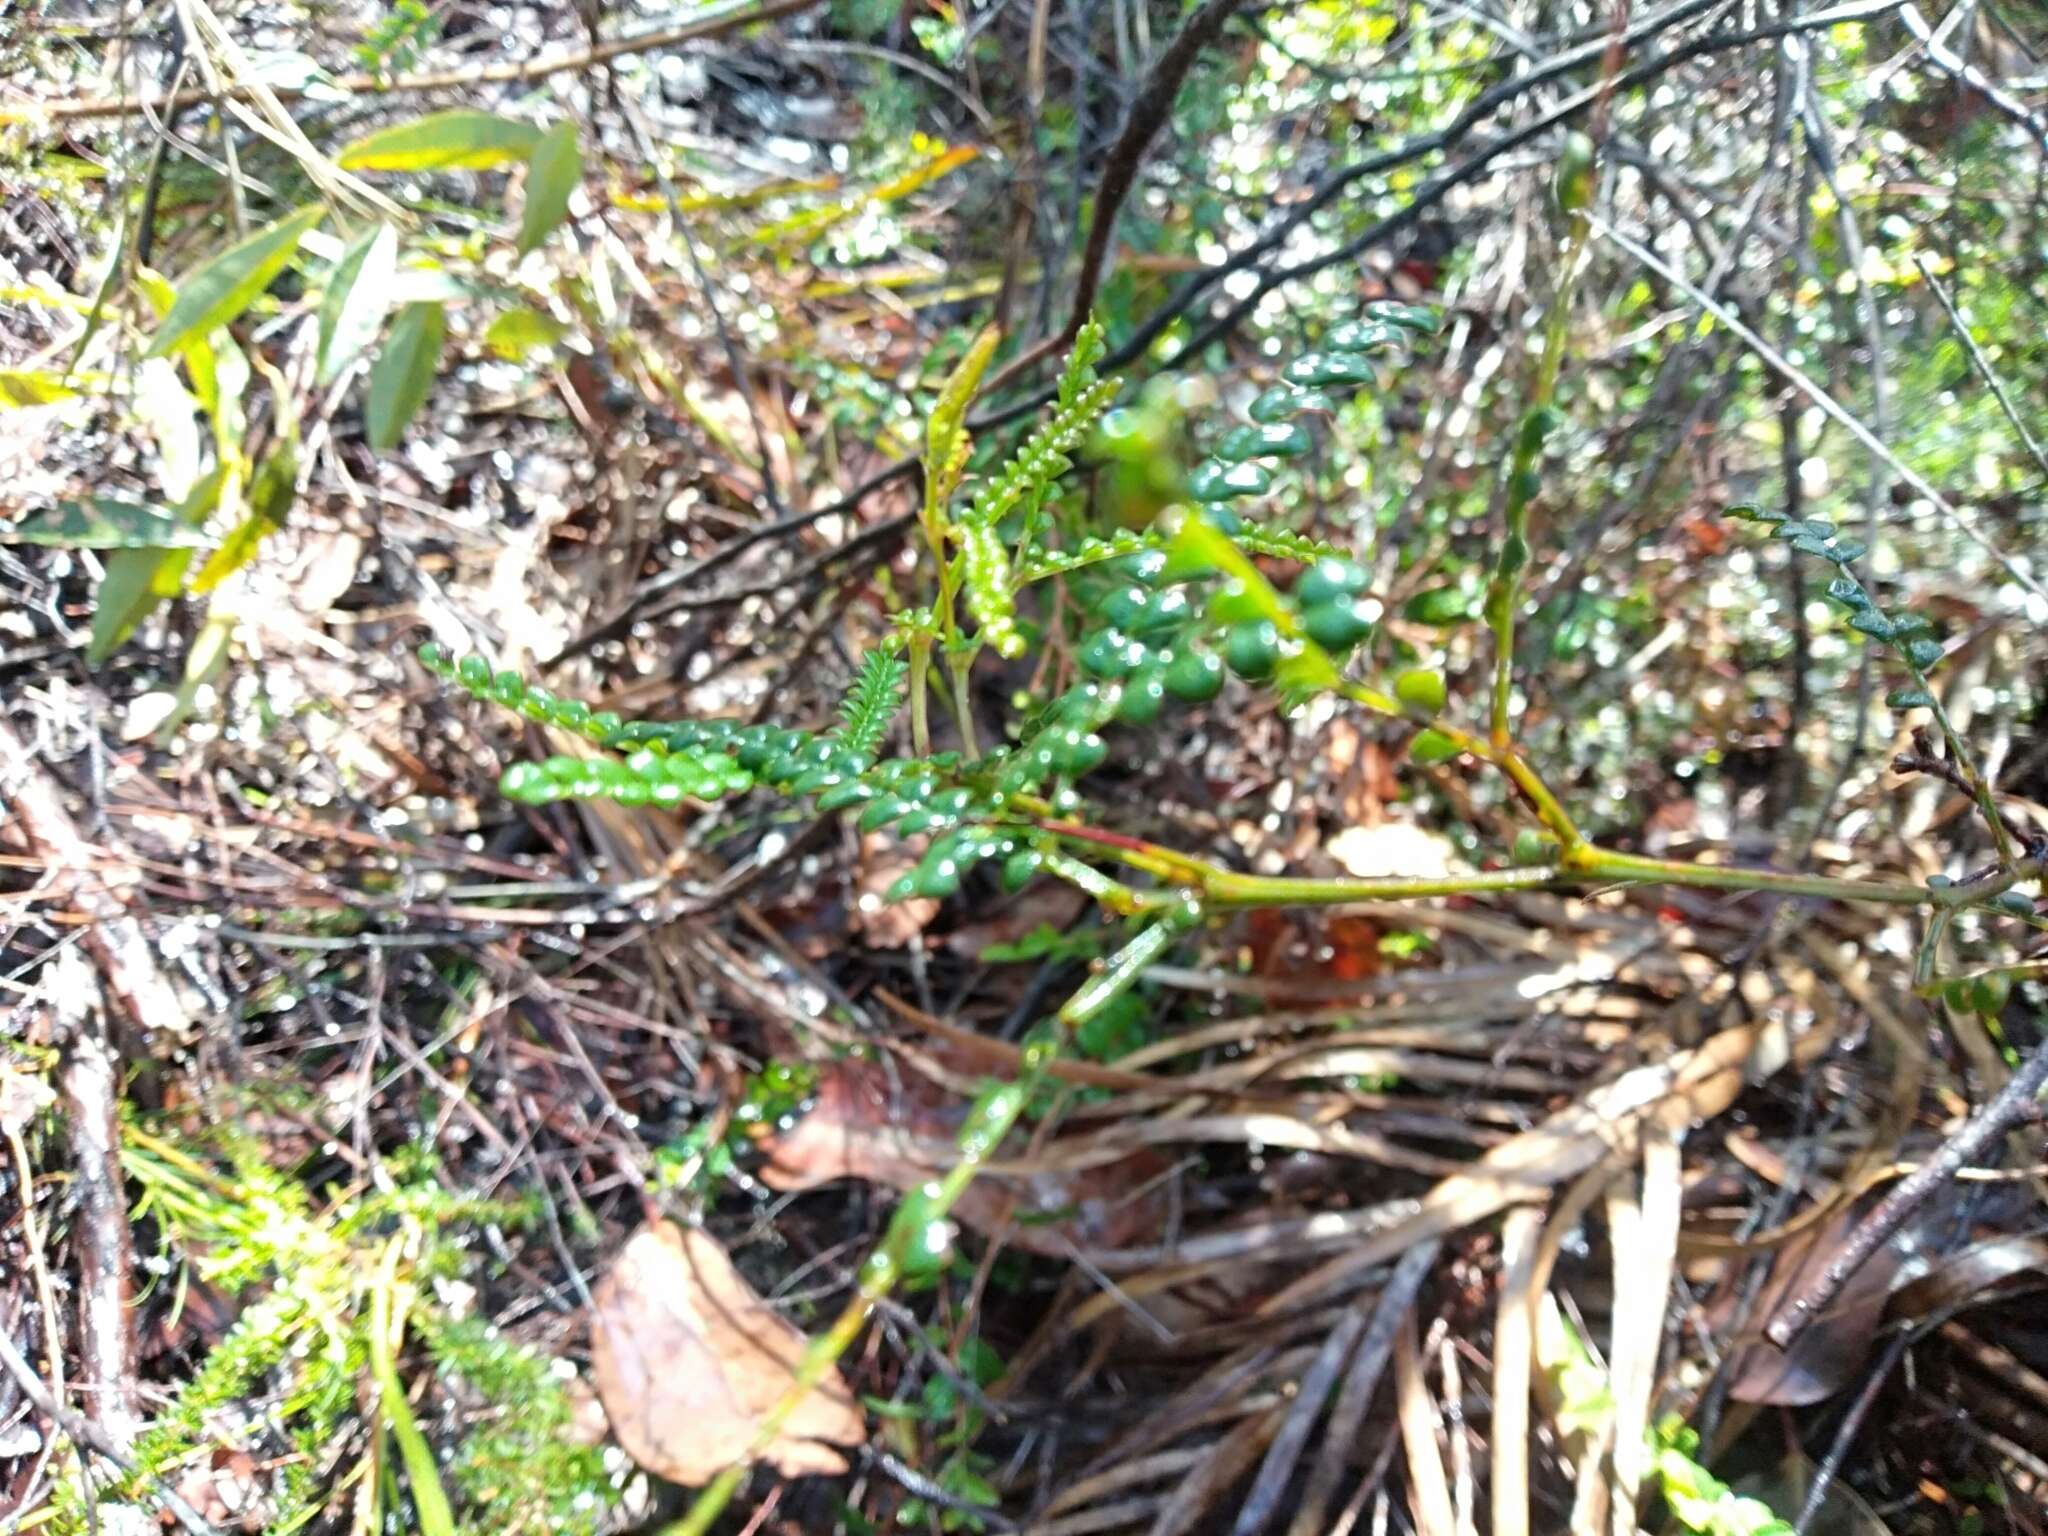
{"x": 870, "y": 705}
{"x": 1167, "y": 614}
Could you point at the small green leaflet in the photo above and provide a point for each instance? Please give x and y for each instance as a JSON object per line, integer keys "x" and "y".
{"x": 404, "y": 372}
{"x": 137, "y": 580}
{"x": 460, "y": 139}
{"x": 358, "y": 298}
{"x": 270, "y": 498}
{"x": 103, "y": 522}
{"x": 21, "y": 387}
{"x": 516, "y": 332}
{"x": 225, "y": 286}
{"x": 553, "y": 171}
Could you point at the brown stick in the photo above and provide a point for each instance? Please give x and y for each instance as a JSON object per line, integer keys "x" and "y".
{"x": 2013, "y": 1106}
{"x": 85, "y": 1433}
{"x": 101, "y": 1236}
{"x": 75, "y": 108}
{"x": 91, "y": 1075}
{"x": 1148, "y": 113}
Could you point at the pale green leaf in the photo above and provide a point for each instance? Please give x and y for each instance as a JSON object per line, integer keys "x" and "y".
{"x": 517, "y": 332}
{"x": 170, "y": 415}
{"x": 225, "y": 286}
{"x": 136, "y": 583}
{"x": 270, "y": 498}
{"x": 21, "y": 387}
{"x": 553, "y": 171}
{"x": 459, "y": 139}
{"x": 404, "y": 372}
{"x": 358, "y": 298}
{"x": 945, "y": 455}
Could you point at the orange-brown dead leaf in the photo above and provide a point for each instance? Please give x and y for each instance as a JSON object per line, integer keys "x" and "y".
{"x": 687, "y": 1361}
{"x": 865, "y": 1124}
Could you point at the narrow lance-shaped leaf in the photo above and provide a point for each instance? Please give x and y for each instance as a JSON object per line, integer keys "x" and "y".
{"x": 30, "y": 387}
{"x": 404, "y": 373}
{"x": 270, "y": 498}
{"x": 358, "y": 298}
{"x": 946, "y": 434}
{"x": 103, "y": 522}
{"x": 460, "y": 139}
{"x": 225, "y": 286}
{"x": 137, "y": 580}
{"x": 553, "y": 171}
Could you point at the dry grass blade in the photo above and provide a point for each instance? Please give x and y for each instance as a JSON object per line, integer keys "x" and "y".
{"x": 1644, "y": 1234}
{"x": 1514, "y": 1334}
{"x": 1687, "y": 1085}
{"x": 1228, "y": 1460}
{"x": 1429, "y": 1490}
{"x": 1394, "y": 1304}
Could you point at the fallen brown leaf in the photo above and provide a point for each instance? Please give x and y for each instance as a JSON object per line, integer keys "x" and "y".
{"x": 863, "y": 1124}
{"x": 687, "y": 1361}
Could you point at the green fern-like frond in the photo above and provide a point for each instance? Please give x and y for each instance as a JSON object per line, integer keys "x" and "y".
{"x": 1043, "y": 456}
{"x": 871, "y": 704}
{"x": 991, "y": 598}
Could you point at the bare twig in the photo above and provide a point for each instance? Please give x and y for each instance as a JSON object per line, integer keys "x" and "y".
{"x": 2013, "y": 1106}
{"x": 714, "y": 25}
{"x": 89, "y": 1435}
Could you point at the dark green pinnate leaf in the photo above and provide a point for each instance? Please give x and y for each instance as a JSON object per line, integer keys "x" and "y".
{"x": 404, "y": 373}
{"x": 1439, "y": 606}
{"x": 554, "y": 169}
{"x": 1252, "y": 649}
{"x": 459, "y": 139}
{"x": 1872, "y": 623}
{"x": 1341, "y": 622}
{"x": 1849, "y": 593}
{"x": 1432, "y": 747}
{"x": 1807, "y": 544}
{"x": 1422, "y": 319}
{"x": 1284, "y": 440}
{"x": 1143, "y": 696}
{"x": 1214, "y": 480}
{"x": 1194, "y": 677}
{"x": 1909, "y": 698}
{"x": 1284, "y": 402}
{"x": 1313, "y": 370}
{"x": 227, "y": 284}
{"x": 1924, "y": 652}
{"x": 1363, "y": 335}
{"x": 1847, "y": 551}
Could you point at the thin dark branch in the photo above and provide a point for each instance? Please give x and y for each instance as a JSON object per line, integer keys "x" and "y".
{"x": 2013, "y": 1106}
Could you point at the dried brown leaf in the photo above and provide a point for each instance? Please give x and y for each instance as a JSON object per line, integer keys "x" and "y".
{"x": 865, "y": 1124}
{"x": 687, "y": 1361}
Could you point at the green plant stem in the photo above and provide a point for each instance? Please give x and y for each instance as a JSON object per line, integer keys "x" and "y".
{"x": 1504, "y": 591}
{"x": 387, "y": 1321}
{"x": 1966, "y": 766}
{"x": 993, "y": 1117}
{"x": 920, "y": 719}
{"x": 1502, "y": 755}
